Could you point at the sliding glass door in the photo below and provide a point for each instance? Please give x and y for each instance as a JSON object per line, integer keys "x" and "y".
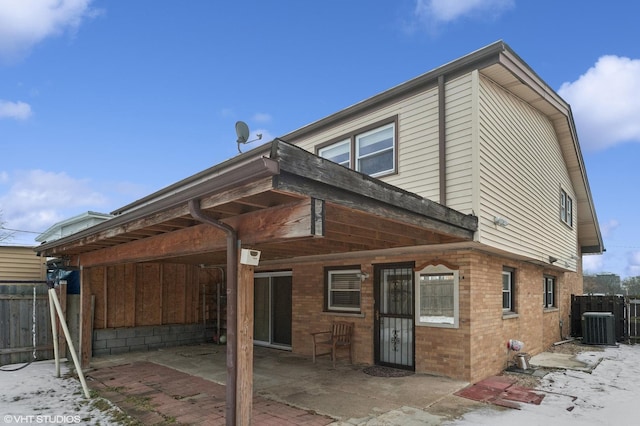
{"x": 272, "y": 309}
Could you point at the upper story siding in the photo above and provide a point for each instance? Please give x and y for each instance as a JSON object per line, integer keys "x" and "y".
{"x": 417, "y": 121}
{"x": 521, "y": 173}
{"x": 502, "y": 159}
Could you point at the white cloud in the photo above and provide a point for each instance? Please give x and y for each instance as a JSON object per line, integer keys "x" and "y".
{"x": 633, "y": 264}
{"x": 592, "y": 263}
{"x": 607, "y": 228}
{"x": 432, "y": 12}
{"x": 261, "y": 117}
{"x": 37, "y": 199}
{"x": 15, "y": 110}
{"x": 25, "y": 23}
{"x": 606, "y": 102}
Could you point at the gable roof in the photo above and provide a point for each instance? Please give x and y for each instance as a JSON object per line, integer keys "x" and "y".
{"x": 501, "y": 64}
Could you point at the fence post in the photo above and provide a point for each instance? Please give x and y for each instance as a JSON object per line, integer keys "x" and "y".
{"x": 54, "y": 332}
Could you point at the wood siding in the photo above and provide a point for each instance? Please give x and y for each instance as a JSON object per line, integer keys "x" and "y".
{"x": 418, "y": 144}
{"x": 503, "y": 159}
{"x": 521, "y": 174}
{"x": 21, "y": 263}
{"x": 144, "y": 294}
{"x": 417, "y": 141}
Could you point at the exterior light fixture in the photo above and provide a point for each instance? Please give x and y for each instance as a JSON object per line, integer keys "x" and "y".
{"x": 500, "y": 221}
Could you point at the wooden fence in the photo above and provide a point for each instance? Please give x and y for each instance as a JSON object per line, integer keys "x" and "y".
{"x": 626, "y": 311}
{"x": 19, "y": 323}
{"x": 633, "y": 317}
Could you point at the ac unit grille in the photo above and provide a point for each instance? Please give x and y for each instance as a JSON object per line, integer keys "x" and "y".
{"x": 598, "y": 328}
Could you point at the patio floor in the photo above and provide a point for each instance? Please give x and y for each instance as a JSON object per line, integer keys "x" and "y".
{"x": 186, "y": 385}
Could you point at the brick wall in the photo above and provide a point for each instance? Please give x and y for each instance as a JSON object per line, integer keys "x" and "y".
{"x": 471, "y": 352}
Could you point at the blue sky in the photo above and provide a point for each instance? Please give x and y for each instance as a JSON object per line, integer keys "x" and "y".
{"x": 103, "y": 102}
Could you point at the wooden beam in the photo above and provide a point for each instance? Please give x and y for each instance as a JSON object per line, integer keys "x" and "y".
{"x": 120, "y": 226}
{"x": 281, "y": 223}
{"x": 244, "y": 388}
{"x": 418, "y": 214}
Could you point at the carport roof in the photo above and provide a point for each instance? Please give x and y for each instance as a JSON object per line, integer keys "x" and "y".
{"x": 282, "y": 200}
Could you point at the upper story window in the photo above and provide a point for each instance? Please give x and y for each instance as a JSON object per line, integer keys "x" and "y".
{"x": 371, "y": 150}
{"x": 566, "y": 208}
{"x": 342, "y": 290}
{"x": 339, "y": 152}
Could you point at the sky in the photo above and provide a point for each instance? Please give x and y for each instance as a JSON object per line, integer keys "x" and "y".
{"x": 104, "y": 102}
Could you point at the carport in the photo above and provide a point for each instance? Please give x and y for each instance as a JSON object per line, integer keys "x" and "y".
{"x": 277, "y": 199}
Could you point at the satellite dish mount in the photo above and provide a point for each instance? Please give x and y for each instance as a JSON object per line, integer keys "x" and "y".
{"x": 242, "y": 130}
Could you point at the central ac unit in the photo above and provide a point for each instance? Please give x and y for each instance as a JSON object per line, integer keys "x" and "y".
{"x": 598, "y": 328}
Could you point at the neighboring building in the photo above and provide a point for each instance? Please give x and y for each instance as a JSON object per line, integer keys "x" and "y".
{"x": 72, "y": 225}
{"x": 58, "y": 269}
{"x": 455, "y": 219}
{"x": 20, "y": 263}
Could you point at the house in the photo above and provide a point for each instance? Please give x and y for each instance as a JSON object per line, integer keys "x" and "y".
{"x": 20, "y": 263}
{"x": 72, "y": 225}
{"x": 442, "y": 217}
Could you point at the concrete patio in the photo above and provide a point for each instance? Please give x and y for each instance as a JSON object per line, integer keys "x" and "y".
{"x": 345, "y": 394}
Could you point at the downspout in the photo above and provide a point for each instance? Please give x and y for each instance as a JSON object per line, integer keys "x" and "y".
{"x": 232, "y": 291}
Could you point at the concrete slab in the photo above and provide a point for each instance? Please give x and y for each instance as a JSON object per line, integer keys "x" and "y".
{"x": 344, "y": 393}
{"x": 567, "y": 361}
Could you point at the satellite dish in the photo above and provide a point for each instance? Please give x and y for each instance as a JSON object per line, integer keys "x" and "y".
{"x": 242, "y": 130}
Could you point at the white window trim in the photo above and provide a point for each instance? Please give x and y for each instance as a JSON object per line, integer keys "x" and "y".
{"x": 334, "y": 145}
{"x": 352, "y": 140}
{"x": 358, "y": 157}
{"x": 545, "y": 290}
{"x": 566, "y": 208}
{"x": 438, "y": 269}
{"x": 331, "y": 308}
{"x": 511, "y": 274}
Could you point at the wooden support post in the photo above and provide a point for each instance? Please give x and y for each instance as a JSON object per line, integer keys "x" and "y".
{"x": 54, "y": 332}
{"x": 86, "y": 318}
{"x": 62, "y": 297}
{"x": 244, "y": 389}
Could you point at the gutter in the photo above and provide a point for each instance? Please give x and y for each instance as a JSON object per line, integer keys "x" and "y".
{"x": 232, "y": 292}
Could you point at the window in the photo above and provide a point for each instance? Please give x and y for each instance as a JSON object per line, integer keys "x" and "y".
{"x": 371, "y": 151}
{"x": 374, "y": 151}
{"x": 437, "y": 297}
{"x": 508, "y": 290}
{"x": 338, "y": 153}
{"x": 566, "y": 208}
{"x": 343, "y": 290}
{"x": 548, "y": 292}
